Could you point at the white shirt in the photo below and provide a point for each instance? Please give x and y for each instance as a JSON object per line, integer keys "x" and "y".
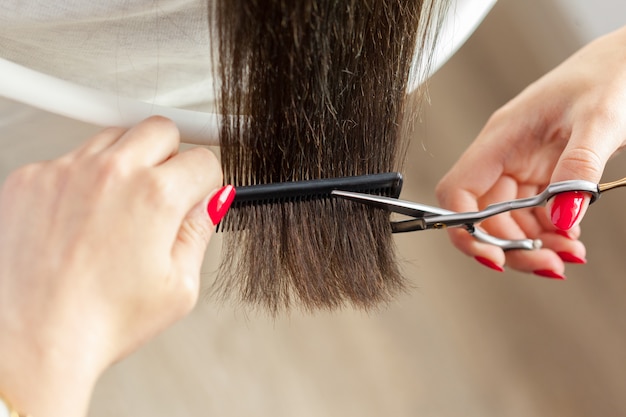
{"x": 119, "y": 61}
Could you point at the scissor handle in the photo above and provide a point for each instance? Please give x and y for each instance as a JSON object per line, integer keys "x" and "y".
{"x": 610, "y": 185}
{"x": 471, "y": 218}
{"x": 428, "y": 217}
{"x": 505, "y": 244}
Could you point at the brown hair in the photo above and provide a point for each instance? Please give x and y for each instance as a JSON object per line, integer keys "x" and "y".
{"x": 319, "y": 87}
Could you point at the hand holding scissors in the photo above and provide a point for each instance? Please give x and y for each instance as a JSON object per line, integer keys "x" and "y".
{"x": 424, "y": 217}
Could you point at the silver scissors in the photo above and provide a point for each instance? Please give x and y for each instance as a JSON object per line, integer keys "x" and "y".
{"x": 426, "y": 217}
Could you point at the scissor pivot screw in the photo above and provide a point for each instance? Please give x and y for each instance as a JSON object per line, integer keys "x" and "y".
{"x": 439, "y": 226}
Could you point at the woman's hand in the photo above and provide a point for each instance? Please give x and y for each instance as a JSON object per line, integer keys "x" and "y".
{"x": 99, "y": 251}
{"x": 564, "y": 126}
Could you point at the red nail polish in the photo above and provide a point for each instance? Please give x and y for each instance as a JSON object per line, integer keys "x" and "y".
{"x": 546, "y": 273}
{"x": 571, "y": 258}
{"x": 489, "y": 263}
{"x": 220, "y": 203}
{"x": 563, "y": 233}
{"x": 566, "y": 209}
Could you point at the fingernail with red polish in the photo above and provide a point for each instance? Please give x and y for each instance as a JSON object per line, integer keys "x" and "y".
{"x": 546, "y": 273}
{"x": 571, "y": 258}
{"x": 566, "y": 209}
{"x": 220, "y": 203}
{"x": 563, "y": 233}
{"x": 489, "y": 263}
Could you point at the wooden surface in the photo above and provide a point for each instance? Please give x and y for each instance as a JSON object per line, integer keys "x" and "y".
{"x": 465, "y": 342}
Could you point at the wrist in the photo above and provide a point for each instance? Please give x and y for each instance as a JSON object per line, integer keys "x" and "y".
{"x": 40, "y": 382}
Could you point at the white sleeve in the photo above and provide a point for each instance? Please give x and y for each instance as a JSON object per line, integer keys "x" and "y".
{"x": 109, "y": 108}
{"x": 460, "y": 21}
{"x": 98, "y": 107}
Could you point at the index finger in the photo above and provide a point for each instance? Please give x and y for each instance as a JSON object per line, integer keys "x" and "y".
{"x": 471, "y": 177}
{"x": 191, "y": 176}
{"x": 474, "y": 174}
{"x": 149, "y": 143}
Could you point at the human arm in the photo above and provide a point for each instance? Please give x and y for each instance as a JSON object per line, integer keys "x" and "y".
{"x": 100, "y": 250}
{"x": 564, "y": 126}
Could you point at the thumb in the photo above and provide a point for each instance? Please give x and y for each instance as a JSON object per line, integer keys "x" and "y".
{"x": 584, "y": 158}
{"x": 194, "y": 235}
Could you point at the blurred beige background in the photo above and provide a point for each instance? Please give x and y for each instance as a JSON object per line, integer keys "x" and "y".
{"x": 465, "y": 342}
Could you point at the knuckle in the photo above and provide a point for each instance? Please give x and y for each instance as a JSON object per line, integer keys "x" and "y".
{"x": 156, "y": 189}
{"x": 196, "y": 230}
{"x": 157, "y": 119}
{"x": 163, "y": 124}
{"x": 442, "y": 190}
{"x": 110, "y": 165}
{"x": 205, "y": 153}
{"x": 501, "y": 117}
{"x": 605, "y": 113}
{"x": 22, "y": 175}
{"x": 188, "y": 294}
{"x": 106, "y": 172}
{"x": 500, "y": 114}
{"x": 184, "y": 292}
{"x": 35, "y": 177}
{"x": 209, "y": 159}
{"x": 203, "y": 168}
{"x": 582, "y": 162}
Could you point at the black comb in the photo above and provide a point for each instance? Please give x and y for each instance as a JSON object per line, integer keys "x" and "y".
{"x": 388, "y": 184}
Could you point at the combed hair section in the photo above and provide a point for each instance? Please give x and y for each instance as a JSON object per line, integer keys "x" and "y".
{"x": 312, "y": 89}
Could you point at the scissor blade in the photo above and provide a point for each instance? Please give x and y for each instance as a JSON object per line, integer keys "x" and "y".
{"x": 421, "y": 212}
{"x": 408, "y": 208}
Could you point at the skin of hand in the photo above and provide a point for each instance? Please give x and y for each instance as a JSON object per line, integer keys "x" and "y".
{"x": 564, "y": 126}
{"x": 100, "y": 250}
